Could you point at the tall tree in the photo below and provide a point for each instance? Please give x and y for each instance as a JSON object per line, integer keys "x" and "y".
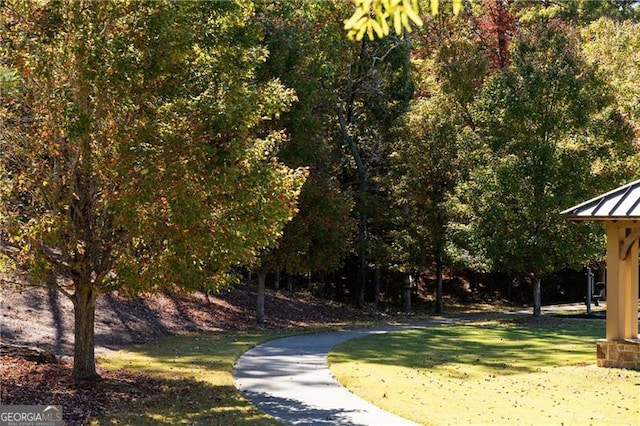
{"x": 549, "y": 138}
{"x": 133, "y": 156}
{"x": 428, "y": 170}
{"x": 587, "y": 11}
{"x": 310, "y": 61}
{"x": 377, "y": 90}
{"x": 427, "y": 155}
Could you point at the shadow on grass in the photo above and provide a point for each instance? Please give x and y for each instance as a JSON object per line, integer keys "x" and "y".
{"x": 196, "y": 383}
{"x": 189, "y": 402}
{"x": 508, "y": 347}
{"x": 193, "y": 402}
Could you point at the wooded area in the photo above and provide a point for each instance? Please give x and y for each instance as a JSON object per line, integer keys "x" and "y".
{"x": 149, "y": 146}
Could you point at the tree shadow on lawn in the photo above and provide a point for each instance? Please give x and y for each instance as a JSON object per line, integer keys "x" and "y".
{"x": 189, "y": 401}
{"x": 197, "y": 386}
{"x": 506, "y": 348}
{"x": 195, "y": 402}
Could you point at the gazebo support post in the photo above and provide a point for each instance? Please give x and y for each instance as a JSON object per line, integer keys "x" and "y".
{"x": 619, "y": 210}
{"x": 621, "y": 348}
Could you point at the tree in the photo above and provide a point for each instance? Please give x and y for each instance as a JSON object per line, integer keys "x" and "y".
{"x": 378, "y": 88}
{"x": 495, "y": 30}
{"x": 587, "y": 11}
{"x": 612, "y": 47}
{"x": 428, "y": 170}
{"x": 134, "y": 155}
{"x": 548, "y": 138}
{"x": 428, "y": 153}
{"x": 312, "y": 63}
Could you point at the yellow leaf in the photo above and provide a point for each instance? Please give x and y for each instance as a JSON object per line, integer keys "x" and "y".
{"x": 381, "y": 16}
{"x": 353, "y": 21}
{"x": 405, "y": 22}
{"x": 411, "y": 13}
{"x": 361, "y": 32}
{"x": 370, "y": 29}
{"x": 377, "y": 28}
{"x": 385, "y": 27}
{"x": 435, "y": 5}
{"x": 397, "y": 23}
{"x": 457, "y": 5}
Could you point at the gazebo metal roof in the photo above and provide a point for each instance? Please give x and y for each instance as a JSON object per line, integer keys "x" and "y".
{"x": 620, "y": 204}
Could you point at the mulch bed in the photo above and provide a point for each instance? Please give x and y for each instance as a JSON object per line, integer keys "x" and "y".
{"x": 27, "y": 382}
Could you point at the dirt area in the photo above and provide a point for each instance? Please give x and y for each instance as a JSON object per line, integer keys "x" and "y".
{"x": 41, "y": 318}
{"x": 38, "y": 318}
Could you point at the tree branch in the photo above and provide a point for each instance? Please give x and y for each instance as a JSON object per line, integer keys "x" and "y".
{"x": 362, "y": 171}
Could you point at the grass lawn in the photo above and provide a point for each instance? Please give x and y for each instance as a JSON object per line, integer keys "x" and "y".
{"x": 523, "y": 371}
{"x": 198, "y": 387}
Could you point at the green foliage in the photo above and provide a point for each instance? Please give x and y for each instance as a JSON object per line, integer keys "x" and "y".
{"x": 8, "y": 80}
{"x": 319, "y": 236}
{"x": 427, "y": 169}
{"x": 311, "y": 57}
{"x": 134, "y": 156}
{"x": 587, "y": 11}
{"x": 613, "y": 47}
{"x": 430, "y": 147}
{"x": 542, "y": 147}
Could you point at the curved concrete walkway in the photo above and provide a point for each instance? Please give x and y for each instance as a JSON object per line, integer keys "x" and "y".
{"x": 289, "y": 379}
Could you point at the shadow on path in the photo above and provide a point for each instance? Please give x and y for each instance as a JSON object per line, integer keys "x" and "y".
{"x": 304, "y": 414}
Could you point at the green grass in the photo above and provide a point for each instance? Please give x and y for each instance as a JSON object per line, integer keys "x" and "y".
{"x": 198, "y": 386}
{"x": 515, "y": 372}
{"x": 490, "y": 372}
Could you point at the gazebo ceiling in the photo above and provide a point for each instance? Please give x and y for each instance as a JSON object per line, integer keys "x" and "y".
{"x": 620, "y": 204}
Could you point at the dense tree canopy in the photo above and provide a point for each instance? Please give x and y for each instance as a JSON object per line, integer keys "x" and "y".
{"x": 550, "y": 136}
{"x": 161, "y": 145}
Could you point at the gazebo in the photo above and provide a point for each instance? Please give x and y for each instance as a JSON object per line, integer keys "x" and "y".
{"x": 619, "y": 210}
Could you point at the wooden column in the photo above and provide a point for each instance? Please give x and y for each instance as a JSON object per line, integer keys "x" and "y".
{"x": 622, "y": 280}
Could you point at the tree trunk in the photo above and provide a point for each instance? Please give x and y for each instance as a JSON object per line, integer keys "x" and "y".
{"x": 537, "y": 297}
{"x": 406, "y": 293}
{"x": 362, "y": 267}
{"x": 376, "y": 286}
{"x": 339, "y": 289}
{"x": 362, "y": 189}
{"x": 276, "y": 280}
{"x": 439, "y": 290}
{"x": 249, "y": 279}
{"x": 290, "y": 283}
{"x": 262, "y": 276}
{"x": 362, "y": 243}
{"x": 84, "y": 304}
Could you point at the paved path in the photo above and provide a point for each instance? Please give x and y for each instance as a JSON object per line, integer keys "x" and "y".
{"x": 289, "y": 379}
